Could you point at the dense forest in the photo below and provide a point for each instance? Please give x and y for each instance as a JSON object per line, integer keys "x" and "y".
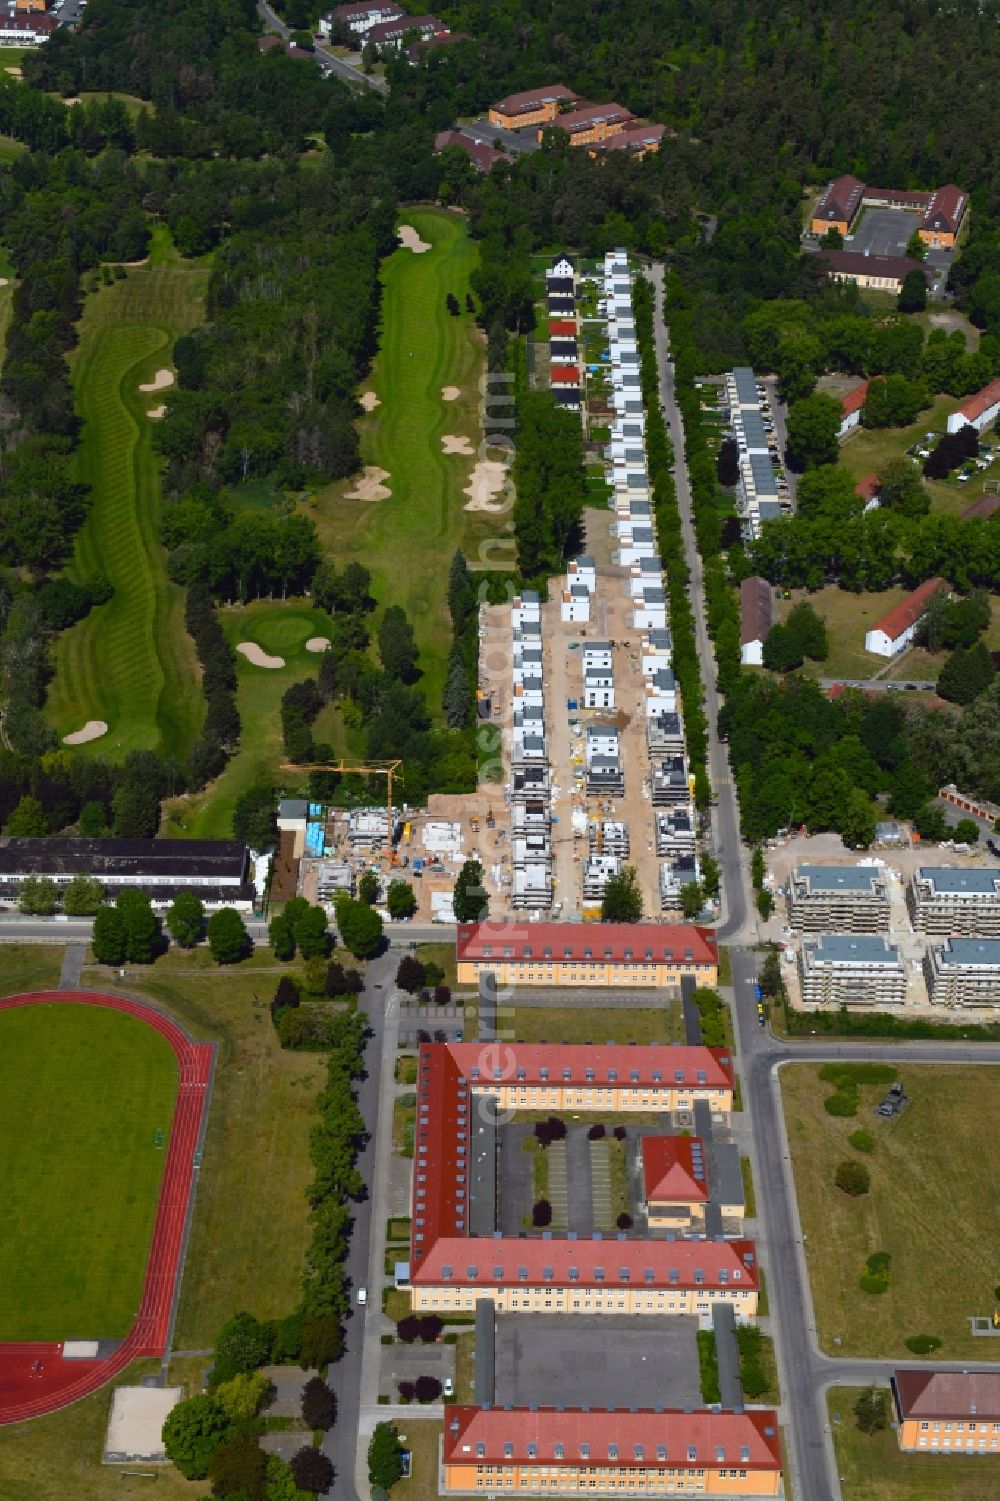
{"x": 760, "y": 103}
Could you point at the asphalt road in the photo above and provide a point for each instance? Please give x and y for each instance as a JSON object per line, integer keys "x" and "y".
{"x": 341, "y": 1442}
{"x": 324, "y": 61}
{"x": 804, "y": 1372}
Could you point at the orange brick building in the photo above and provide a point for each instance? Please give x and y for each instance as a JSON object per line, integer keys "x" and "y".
{"x": 552, "y": 1451}
{"x": 532, "y": 107}
{"x": 634, "y": 955}
{"x": 594, "y": 124}
{"x": 947, "y": 1412}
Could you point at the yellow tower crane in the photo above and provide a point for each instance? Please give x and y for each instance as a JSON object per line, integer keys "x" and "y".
{"x": 388, "y": 769}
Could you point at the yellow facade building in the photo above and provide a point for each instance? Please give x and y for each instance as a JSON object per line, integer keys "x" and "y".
{"x": 625, "y": 955}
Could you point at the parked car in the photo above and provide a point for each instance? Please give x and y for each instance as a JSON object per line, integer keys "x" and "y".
{"x": 448, "y": 1387}
{"x": 362, "y": 1296}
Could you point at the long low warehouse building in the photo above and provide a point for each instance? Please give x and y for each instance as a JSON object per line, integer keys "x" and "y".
{"x": 216, "y": 870}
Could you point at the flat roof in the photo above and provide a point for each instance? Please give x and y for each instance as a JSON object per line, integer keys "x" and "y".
{"x": 109, "y": 858}
{"x": 978, "y": 880}
{"x": 965, "y": 953}
{"x": 854, "y": 948}
{"x": 838, "y": 877}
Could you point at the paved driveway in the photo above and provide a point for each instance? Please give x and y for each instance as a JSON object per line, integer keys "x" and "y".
{"x": 600, "y": 1361}
{"x": 883, "y": 231}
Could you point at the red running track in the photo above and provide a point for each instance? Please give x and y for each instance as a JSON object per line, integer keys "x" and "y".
{"x": 34, "y": 1377}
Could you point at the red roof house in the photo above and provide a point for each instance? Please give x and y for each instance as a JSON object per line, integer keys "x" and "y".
{"x": 619, "y": 1439}
{"x": 564, "y": 375}
{"x": 850, "y": 408}
{"x": 673, "y": 1170}
{"x": 898, "y": 626}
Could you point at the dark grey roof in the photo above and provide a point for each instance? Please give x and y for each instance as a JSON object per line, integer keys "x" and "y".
{"x": 107, "y": 858}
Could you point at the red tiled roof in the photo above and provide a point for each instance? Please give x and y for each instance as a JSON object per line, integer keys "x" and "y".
{"x": 564, "y": 375}
{"x": 389, "y": 31}
{"x": 981, "y": 402}
{"x": 448, "y": 1077}
{"x": 984, "y": 506}
{"x": 854, "y": 400}
{"x": 948, "y": 1394}
{"x": 909, "y": 610}
{"x": 867, "y": 488}
{"x": 603, "y": 942}
{"x": 673, "y": 1169}
{"x": 635, "y": 138}
{"x": 592, "y": 114}
{"x": 562, "y": 328}
{"x": 530, "y": 99}
{"x": 841, "y": 200}
{"x": 914, "y": 197}
{"x": 476, "y": 1435}
{"x": 509, "y": 1261}
{"x": 624, "y": 1064}
{"x": 482, "y": 156}
{"x": 30, "y": 22}
{"x": 756, "y": 609}
{"x": 856, "y": 263}
{"x": 946, "y": 209}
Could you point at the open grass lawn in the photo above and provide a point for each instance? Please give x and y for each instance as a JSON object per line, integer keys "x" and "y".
{"x": 595, "y": 1024}
{"x": 250, "y": 1222}
{"x": 932, "y": 1206}
{"x": 83, "y": 1094}
{"x": 60, "y": 1456}
{"x": 129, "y": 662}
{"x": 10, "y": 149}
{"x": 848, "y": 618}
{"x": 867, "y": 449}
{"x": 29, "y": 966}
{"x": 281, "y": 628}
{"x": 872, "y": 1468}
{"x": 408, "y": 540}
{"x": 441, "y": 954}
{"x": 423, "y": 1441}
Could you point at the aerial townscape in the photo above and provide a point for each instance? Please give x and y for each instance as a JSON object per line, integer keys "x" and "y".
{"x": 499, "y": 750}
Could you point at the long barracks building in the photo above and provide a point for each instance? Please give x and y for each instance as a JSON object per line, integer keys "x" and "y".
{"x": 581, "y": 1451}
{"x": 653, "y": 955}
{"x": 457, "y": 1256}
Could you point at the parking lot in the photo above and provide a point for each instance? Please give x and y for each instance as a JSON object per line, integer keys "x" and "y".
{"x": 882, "y": 231}
{"x": 597, "y": 1361}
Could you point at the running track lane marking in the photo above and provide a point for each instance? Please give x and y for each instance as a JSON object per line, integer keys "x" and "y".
{"x": 20, "y": 1397}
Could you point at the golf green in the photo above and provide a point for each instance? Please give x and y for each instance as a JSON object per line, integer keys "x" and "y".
{"x": 86, "y": 1104}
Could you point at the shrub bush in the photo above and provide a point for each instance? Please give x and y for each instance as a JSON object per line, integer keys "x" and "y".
{"x": 541, "y": 1214}
{"x": 852, "y": 1178}
{"x": 923, "y": 1344}
{"x": 862, "y": 1141}
{"x": 875, "y": 1278}
{"x": 841, "y": 1103}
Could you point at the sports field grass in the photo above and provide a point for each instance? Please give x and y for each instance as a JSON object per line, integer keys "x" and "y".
{"x": 83, "y": 1093}
{"x": 129, "y": 662}
{"x": 251, "y": 1219}
{"x": 872, "y": 1467}
{"x": 932, "y": 1205}
{"x": 281, "y": 629}
{"x": 408, "y": 540}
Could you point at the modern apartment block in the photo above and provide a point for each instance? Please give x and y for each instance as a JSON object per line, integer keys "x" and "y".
{"x": 838, "y": 899}
{"x": 640, "y": 955}
{"x": 955, "y": 900}
{"x": 964, "y": 972}
{"x": 639, "y": 1452}
{"x": 841, "y": 969}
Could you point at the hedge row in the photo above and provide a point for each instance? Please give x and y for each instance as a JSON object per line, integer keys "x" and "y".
{"x": 334, "y": 1143}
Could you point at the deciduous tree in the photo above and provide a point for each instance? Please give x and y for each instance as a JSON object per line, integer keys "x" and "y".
{"x": 227, "y": 936}
{"x": 186, "y": 919}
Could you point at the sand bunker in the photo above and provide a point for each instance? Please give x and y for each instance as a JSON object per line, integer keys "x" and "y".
{"x": 156, "y": 412}
{"x": 450, "y": 393}
{"x": 408, "y": 236}
{"x": 4, "y": 280}
{"x": 92, "y": 730}
{"x": 370, "y": 486}
{"x": 16, "y": 73}
{"x": 257, "y": 655}
{"x": 318, "y": 643}
{"x": 488, "y": 480}
{"x": 452, "y": 444}
{"x": 161, "y": 380}
{"x": 369, "y": 401}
